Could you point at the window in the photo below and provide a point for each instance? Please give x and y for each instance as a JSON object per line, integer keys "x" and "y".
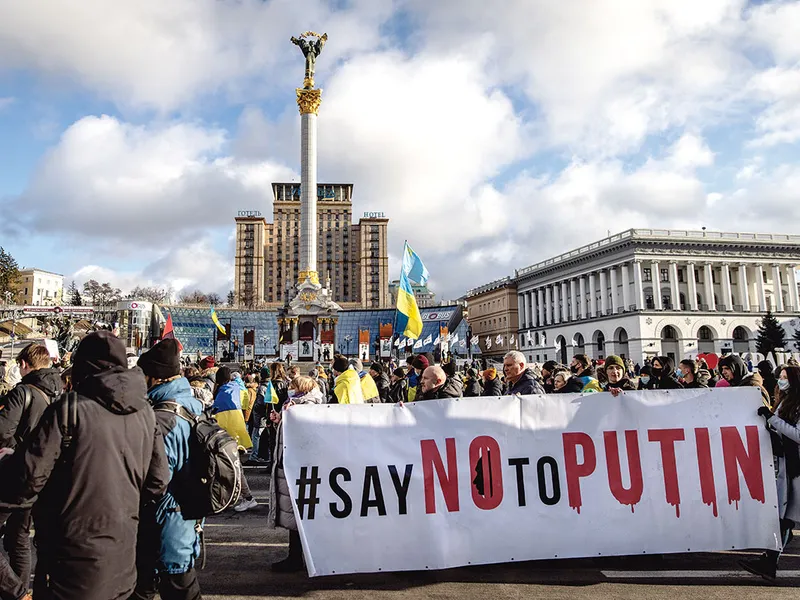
{"x": 648, "y": 274}
{"x": 680, "y": 275}
{"x": 664, "y": 275}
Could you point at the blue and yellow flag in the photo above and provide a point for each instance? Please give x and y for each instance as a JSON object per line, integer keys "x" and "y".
{"x": 409, "y": 319}
{"x": 215, "y": 319}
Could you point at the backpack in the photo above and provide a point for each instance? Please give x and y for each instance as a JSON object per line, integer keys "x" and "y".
{"x": 214, "y": 479}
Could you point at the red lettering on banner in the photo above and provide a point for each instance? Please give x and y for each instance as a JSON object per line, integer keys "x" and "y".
{"x": 667, "y": 438}
{"x": 735, "y": 455}
{"x": 632, "y": 495}
{"x": 486, "y": 450}
{"x": 448, "y": 480}
{"x": 575, "y": 471}
{"x": 708, "y": 490}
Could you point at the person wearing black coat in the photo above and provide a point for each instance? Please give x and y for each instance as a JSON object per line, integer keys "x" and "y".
{"x": 90, "y": 493}
{"x": 664, "y": 373}
{"x": 378, "y": 373}
{"x": 646, "y": 379}
{"x": 472, "y": 387}
{"x": 492, "y": 386}
{"x": 398, "y": 392}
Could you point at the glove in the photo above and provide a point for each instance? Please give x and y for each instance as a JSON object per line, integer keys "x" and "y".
{"x": 763, "y": 411}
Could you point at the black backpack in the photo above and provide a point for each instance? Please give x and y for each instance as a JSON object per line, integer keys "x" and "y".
{"x": 214, "y": 479}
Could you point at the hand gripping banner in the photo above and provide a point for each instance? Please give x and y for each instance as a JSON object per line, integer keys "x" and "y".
{"x": 446, "y": 483}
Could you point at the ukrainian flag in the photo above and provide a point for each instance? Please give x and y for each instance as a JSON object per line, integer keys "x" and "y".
{"x": 215, "y": 319}
{"x": 409, "y": 319}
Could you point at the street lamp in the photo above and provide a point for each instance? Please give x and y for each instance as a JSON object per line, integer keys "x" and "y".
{"x": 347, "y": 339}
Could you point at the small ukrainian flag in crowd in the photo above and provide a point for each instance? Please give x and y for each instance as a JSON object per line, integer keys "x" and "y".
{"x": 409, "y": 319}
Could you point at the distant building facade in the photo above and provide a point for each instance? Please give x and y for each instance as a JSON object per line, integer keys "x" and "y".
{"x": 649, "y": 292}
{"x": 493, "y": 315}
{"x": 40, "y": 288}
{"x": 423, "y": 295}
{"x": 354, "y": 257}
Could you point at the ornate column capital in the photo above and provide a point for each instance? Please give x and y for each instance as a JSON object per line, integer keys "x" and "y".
{"x": 308, "y": 101}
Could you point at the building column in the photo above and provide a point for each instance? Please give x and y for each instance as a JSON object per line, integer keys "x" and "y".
{"x": 691, "y": 275}
{"x": 592, "y": 296}
{"x": 626, "y": 288}
{"x": 655, "y": 269}
{"x": 613, "y": 277}
{"x": 675, "y": 291}
{"x": 603, "y": 293}
{"x": 637, "y": 285}
{"x": 744, "y": 294}
{"x": 526, "y": 307}
{"x": 776, "y": 287}
{"x": 762, "y": 296}
{"x": 708, "y": 282}
{"x": 564, "y": 303}
{"x": 791, "y": 281}
{"x": 530, "y": 300}
{"x": 523, "y": 322}
{"x": 540, "y": 300}
{"x": 548, "y": 304}
{"x": 582, "y": 299}
{"x": 556, "y": 303}
{"x": 574, "y": 298}
{"x": 727, "y": 296}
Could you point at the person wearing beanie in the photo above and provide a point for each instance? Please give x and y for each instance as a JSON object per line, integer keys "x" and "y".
{"x": 368, "y": 387}
{"x": 168, "y": 544}
{"x": 381, "y": 379}
{"x": 114, "y": 465}
{"x": 418, "y": 364}
{"x": 472, "y": 387}
{"x": 398, "y": 390}
{"x": 492, "y": 386}
{"x": 347, "y": 385}
{"x": 617, "y": 376}
{"x": 207, "y": 363}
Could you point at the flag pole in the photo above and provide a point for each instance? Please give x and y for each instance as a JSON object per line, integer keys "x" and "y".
{"x": 394, "y": 323}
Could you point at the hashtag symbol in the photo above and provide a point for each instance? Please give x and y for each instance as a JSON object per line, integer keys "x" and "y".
{"x": 304, "y": 484}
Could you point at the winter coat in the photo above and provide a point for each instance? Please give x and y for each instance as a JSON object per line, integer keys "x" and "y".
{"x": 228, "y": 412}
{"x": 473, "y": 388}
{"x": 451, "y": 388}
{"x": 492, "y": 387}
{"x": 89, "y": 499}
{"x": 667, "y": 380}
{"x": 201, "y": 392}
{"x": 399, "y": 391}
{"x": 741, "y": 376}
{"x": 413, "y": 384}
{"x": 788, "y": 488}
{"x": 623, "y": 384}
{"x": 527, "y": 384}
{"x": 348, "y": 388}
{"x": 281, "y": 513}
{"x": 180, "y": 543}
{"x": 16, "y": 423}
{"x": 383, "y": 384}
{"x": 369, "y": 389}
{"x": 574, "y": 385}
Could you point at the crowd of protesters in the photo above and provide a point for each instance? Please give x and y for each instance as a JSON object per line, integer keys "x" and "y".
{"x": 103, "y": 492}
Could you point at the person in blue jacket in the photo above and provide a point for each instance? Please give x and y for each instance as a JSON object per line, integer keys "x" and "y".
{"x": 168, "y": 545}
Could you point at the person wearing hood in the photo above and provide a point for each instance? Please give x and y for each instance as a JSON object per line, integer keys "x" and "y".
{"x": 347, "y": 385}
{"x": 663, "y": 369}
{"x": 782, "y": 421}
{"x": 472, "y": 387}
{"x": 398, "y": 392}
{"x": 734, "y": 371}
{"x": 646, "y": 379}
{"x": 168, "y": 545}
{"x": 434, "y": 385}
{"x": 91, "y": 486}
{"x": 520, "y": 379}
{"x": 769, "y": 375}
{"x": 492, "y": 386}
{"x": 368, "y": 387}
{"x": 617, "y": 376}
{"x": 20, "y": 411}
{"x": 302, "y": 390}
{"x": 378, "y": 373}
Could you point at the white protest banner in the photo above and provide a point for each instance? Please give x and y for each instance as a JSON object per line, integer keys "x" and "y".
{"x": 445, "y": 483}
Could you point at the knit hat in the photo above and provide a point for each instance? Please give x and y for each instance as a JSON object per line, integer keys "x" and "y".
{"x": 613, "y": 359}
{"x": 420, "y": 362}
{"x": 377, "y": 367}
{"x": 207, "y": 362}
{"x": 340, "y": 364}
{"x": 490, "y": 373}
{"x": 399, "y": 373}
{"x": 162, "y": 361}
{"x": 98, "y": 351}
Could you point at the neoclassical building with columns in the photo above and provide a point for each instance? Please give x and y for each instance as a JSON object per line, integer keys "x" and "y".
{"x": 649, "y": 292}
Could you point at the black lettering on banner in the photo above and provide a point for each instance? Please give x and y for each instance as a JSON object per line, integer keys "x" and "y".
{"x": 556, "y": 497}
{"x": 306, "y": 483}
{"x": 519, "y": 463}
{"x": 401, "y": 488}
{"x": 336, "y": 512}
{"x": 372, "y": 480}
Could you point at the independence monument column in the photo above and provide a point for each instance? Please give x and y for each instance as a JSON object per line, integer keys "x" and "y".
{"x": 308, "y": 101}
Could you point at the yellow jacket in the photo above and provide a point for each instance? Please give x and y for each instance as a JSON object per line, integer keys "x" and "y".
{"x": 369, "y": 389}
{"x": 348, "y": 388}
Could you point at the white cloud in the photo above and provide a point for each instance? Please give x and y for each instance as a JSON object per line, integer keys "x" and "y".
{"x": 6, "y": 102}
{"x": 779, "y": 122}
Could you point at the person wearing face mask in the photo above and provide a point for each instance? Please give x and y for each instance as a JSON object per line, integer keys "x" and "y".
{"x": 691, "y": 377}
{"x": 783, "y": 423}
{"x": 734, "y": 371}
{"x": 646, "y": 380}
{"x": 582, "y": 369}
{"x": 664, "y": 373}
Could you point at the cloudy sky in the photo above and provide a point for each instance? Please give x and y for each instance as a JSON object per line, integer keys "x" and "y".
{"x": 493, "y": 134}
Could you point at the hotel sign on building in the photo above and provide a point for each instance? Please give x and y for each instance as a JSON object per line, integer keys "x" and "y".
{"x": 649, "y": 292}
